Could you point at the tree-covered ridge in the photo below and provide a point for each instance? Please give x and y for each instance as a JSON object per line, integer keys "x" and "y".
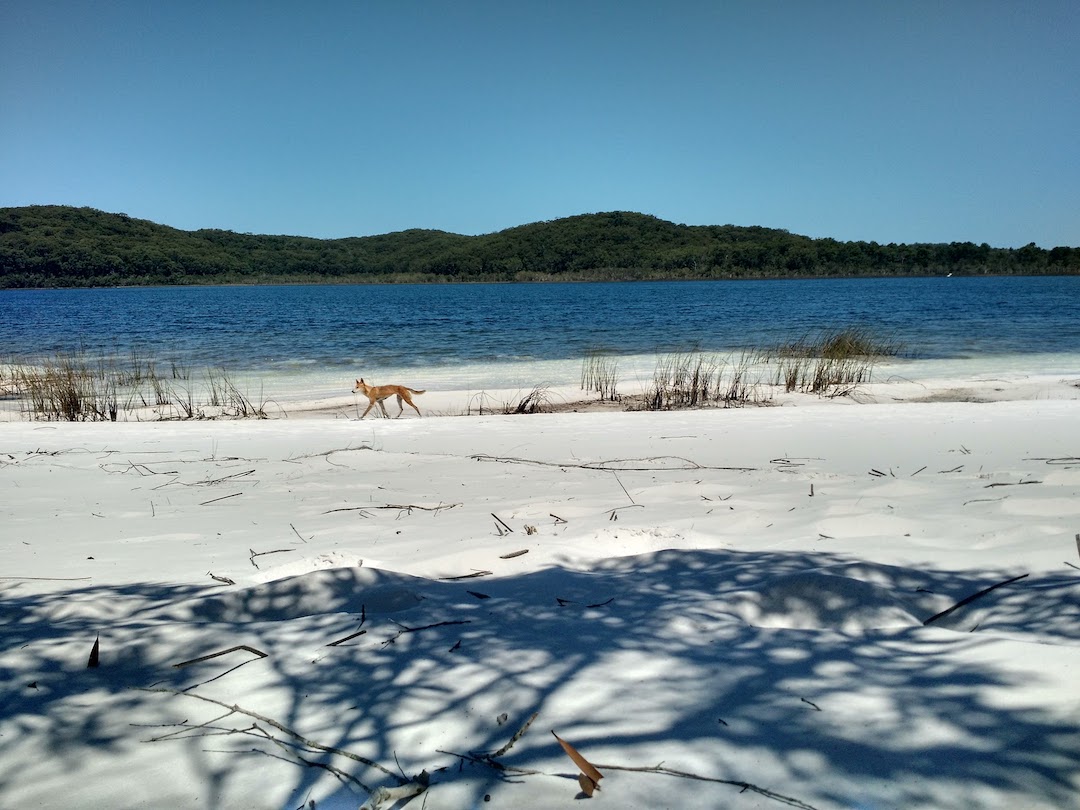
{"x": 59, "y": 246}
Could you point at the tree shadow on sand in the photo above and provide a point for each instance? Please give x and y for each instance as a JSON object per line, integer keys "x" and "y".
{"x": 808, "y": 674}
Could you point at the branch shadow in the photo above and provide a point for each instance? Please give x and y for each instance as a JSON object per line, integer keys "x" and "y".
{"x": 772, "y": 667}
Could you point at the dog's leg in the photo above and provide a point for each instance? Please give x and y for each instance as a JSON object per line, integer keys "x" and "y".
{"x": 400, "y": 407}
{"x": 369, "y": 407}
{"x": 412, "y": 405}
{"x": 382, "y": 407}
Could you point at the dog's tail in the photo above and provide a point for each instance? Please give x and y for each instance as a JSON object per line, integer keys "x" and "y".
{"x": 414, "y": 391}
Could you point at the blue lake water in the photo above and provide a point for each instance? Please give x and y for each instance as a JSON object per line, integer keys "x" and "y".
{"x": 434, "y": 330}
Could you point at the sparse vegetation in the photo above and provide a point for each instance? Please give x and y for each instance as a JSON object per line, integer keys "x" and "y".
{"x": 832, "y": 362}
{"x": 535, "y": 401}
{"x": 600, "y": 373}
{"x": 71, "y": 388}
{"x": 693, "y": 379}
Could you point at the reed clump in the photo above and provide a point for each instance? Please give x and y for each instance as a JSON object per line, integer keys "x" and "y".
{"x": 695, "y": 379}
{"x": 537, "y": 400}
{"x": 832, "y": 362}
{"x": 73, "y": 388}
{"x": 600, "y": 373}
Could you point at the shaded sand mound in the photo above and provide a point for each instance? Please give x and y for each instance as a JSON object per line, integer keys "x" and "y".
{"x": 335, "y": 590}
{"x": 819, "y": 601}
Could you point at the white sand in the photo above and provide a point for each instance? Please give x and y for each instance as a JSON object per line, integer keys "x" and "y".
{"x": 733, "y": 594}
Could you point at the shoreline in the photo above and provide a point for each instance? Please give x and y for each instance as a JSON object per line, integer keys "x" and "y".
{"x": 314, "y": 395}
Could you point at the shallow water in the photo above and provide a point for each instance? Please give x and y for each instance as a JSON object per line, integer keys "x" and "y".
{"x": 311, "y": 341}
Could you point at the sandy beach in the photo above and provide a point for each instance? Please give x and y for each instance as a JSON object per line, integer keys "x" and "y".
{"x": 742, "y": 608}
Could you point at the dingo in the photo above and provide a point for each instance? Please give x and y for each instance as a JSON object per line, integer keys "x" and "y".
{"x": 377, "y": 393}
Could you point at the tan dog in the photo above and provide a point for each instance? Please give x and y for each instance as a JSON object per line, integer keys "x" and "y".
{"x": 377, "y": 393}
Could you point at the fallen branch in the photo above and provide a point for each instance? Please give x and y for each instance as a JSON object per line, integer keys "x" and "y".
{"x": 613, "y": 513}
{"x": 220, "y": 653}
{"x": 520, "y": 733}
{"x": 361, "y": 509}
{"x": 222, "y": 580}
{"x": 387, "y": 797}
{"x": 408, "y": 507}
{"x": 509, "y": 556}
{"x": 609, "y": 466}
{"x": 969, "y": 599}
{"x": 502, "y": 523}
{"x": 473, "y": 575}
{"x": 492, "y": 762}
{"x": 222, "y": 498}
{"x": 405, "y": 630}
{"x": 347, "y": 638}
{"x": 484, "y": 759}
{"x": 745, "y": 786}
{"x": 329, "y": 749}
{"x": 254, "y": 554}
{"x": 213, "y": 481}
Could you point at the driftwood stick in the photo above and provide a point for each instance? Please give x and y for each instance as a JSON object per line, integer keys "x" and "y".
{"x": 613, "y": 513}
{"x": 969, "y": 599}
{"x": 207, "y": 657}
{"x": 745, "y": 786}
{"x": 790, "y": 801}
{"x": 405, "y": 630}
{"x": 222, "y": 498}
{"x": 291, "y": 751}
{"x": 502, "y": 523}
{"x": 485, "y": 759}
{"x": 520, "y": 733}
{"x": 253, "y": 554}
{"x": 410, "y": 506}
{"x": 608, "y": 466}
{"x": 212, "y": 481}
{"x": 473, "y": 575}
{"x": 346, "y": 638}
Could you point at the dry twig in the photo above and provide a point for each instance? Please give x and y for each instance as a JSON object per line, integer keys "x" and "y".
{"x": 969, "y": 599}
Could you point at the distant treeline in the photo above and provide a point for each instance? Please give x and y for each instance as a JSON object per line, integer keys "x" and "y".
{"x": 59, "y": 246}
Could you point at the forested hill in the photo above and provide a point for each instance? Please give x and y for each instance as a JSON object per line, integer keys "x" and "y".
{"x": 59, "y": 246}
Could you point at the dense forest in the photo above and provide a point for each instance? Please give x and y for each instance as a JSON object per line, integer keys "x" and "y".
{"x": 59, "y": 246}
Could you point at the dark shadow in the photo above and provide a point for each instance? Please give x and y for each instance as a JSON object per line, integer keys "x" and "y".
{"x": 441, "y": 663}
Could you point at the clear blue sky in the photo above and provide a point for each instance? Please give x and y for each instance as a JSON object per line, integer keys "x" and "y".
{"x": 895, "y": 121}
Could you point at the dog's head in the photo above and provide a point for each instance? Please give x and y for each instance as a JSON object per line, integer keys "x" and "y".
{"x": 361, "y": 387}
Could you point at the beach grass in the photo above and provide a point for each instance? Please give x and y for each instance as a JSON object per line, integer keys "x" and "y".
{"x": 600, "y": 374}
{"x": 830, "y": 363}
{"x": 696, "y": 379}
{"x": 74, "y": 388}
